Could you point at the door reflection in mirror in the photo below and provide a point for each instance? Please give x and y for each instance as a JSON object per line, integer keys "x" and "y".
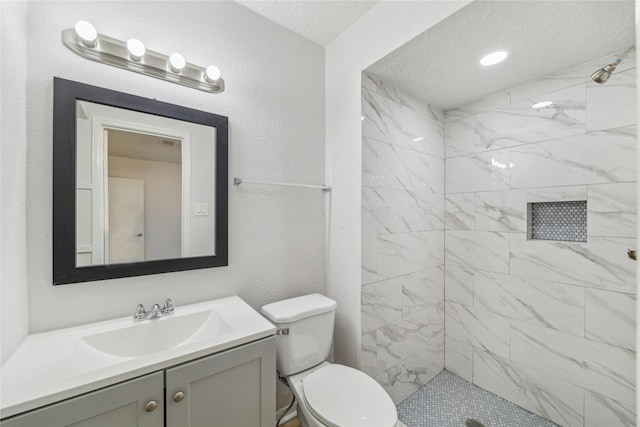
{"x": 144, "y": 185}
{"x": 125, "y": 220}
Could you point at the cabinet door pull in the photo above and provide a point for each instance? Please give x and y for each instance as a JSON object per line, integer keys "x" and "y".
{"x": 151, "y": 406}
{"x": 178, "y": 397}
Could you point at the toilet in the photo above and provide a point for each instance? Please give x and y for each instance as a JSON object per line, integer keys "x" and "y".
{"x": 328, "y": 395}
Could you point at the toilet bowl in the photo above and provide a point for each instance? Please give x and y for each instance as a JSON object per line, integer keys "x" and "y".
{"x": 338, "y": 396}
{"x": 328, "y": 395}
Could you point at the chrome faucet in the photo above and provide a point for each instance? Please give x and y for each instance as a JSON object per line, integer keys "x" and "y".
{"x": 156, "y": 311}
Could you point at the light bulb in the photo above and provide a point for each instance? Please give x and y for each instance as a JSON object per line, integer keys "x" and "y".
{"x": 213, "y": 73}
{"x": 176, "y": 62}
{"x": 494, "y": 58}
{"x": 87, "y": 33}
{"x": 136, "y": 49}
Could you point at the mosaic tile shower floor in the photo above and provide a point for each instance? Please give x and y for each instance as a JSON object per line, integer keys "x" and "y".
{"x": 448, "y": 400}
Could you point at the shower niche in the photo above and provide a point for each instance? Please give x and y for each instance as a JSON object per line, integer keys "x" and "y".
{"x": 560, "y": 221}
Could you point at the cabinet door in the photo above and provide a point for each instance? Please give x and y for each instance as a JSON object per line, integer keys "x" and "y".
{"x": 235, "y": 388}
{"x": 121, "y": 405}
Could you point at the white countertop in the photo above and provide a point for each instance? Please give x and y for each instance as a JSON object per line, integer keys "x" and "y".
{"x": 52, "y": 366}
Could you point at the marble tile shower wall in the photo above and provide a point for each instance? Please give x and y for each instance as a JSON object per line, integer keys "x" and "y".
{"x": 548, "y": 325}
{"x": 402, "y": 239}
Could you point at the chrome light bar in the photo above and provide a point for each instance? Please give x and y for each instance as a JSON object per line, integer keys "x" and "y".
{"x": 115, "y": 52}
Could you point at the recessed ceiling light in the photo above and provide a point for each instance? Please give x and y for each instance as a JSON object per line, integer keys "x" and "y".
{"x": 542, "y": 104}
{"x": 494, "y": 58}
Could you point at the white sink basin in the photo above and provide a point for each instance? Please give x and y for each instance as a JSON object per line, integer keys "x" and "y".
{"x": 56, "y": 365}
{"x": 152, "y": 336}
{"x": 129, "y": 339}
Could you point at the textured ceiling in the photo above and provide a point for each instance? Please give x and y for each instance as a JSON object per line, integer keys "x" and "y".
{"x": 319, "y": 21}
{"x": 144, "y": 147}
{"x": 441, "y": 66}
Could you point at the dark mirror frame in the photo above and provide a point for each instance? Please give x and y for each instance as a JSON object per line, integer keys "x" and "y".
{"x": 65, "y": 95}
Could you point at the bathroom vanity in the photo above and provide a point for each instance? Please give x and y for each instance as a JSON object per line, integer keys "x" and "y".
{"x": 221, "y": 371}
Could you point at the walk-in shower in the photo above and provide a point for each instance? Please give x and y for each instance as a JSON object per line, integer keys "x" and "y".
{"x": 460, "y": 164}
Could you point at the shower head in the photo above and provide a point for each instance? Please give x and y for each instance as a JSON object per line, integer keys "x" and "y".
{"x": 603, "y": 74}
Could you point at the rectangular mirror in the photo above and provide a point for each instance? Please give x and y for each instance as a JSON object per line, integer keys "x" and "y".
{"x": 140, "y": 186}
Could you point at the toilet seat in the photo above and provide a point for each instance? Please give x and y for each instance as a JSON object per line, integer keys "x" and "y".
{"x": 340, "y": 396}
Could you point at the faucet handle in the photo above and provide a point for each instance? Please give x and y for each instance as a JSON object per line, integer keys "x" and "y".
{"x": 168, "y": 306}
{"x": 140, "y": 313}
{"x": 156, "y": 311}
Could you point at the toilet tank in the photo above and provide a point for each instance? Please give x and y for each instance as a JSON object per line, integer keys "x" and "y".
{"x": 309, "y": 320}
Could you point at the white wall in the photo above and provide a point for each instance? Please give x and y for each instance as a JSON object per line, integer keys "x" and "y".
{"x": 13, "y": 153}
{"x": 383, "y": 29}
{"x": 275, "y": 104}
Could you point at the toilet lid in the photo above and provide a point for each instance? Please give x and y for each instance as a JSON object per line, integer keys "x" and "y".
{"x": 343, "y": 396}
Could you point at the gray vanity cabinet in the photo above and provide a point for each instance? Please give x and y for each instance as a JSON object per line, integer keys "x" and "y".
{"x": 135, "y": 403}
{"x": 235, "y": 388}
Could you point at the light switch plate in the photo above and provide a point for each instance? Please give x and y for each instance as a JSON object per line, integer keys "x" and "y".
{"x": 202, "y": 209}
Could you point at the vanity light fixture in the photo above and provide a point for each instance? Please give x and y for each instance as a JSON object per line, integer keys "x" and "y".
{"x": 494, "y": 58}
{"x": 542, "y": 104}
{"x": 84, "y": 40}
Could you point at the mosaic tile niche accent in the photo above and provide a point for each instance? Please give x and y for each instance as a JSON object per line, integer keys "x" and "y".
{"x": 561, "y": 221}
